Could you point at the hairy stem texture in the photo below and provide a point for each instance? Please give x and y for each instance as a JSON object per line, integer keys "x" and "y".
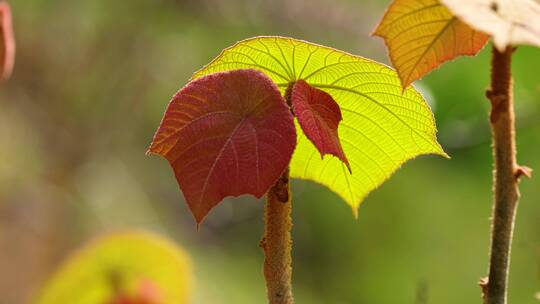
{"x": 277, "y": 242}
{"x": 506, "y": 176}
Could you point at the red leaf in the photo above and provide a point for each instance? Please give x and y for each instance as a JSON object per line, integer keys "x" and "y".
{"x": 7, "y": 42}
{"x": 319, "y": 116}
{"x": 228, "y": 133}
{"x": 146, "y": 293}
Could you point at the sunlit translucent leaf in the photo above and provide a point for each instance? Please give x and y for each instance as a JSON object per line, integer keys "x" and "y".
{"x": 132, "y": 266}
{"x": 381, "y": 127}
{"x": 229, "y": 133}
{"x": 421, "y": 35}
{"x": 319, "y": 116}
{"x": 7, "y": 41}
{"x": 509, "y": 22}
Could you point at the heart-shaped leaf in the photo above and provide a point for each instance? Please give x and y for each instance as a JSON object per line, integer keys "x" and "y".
{"x": 509, "y": 22}
{"x": 382, "y": 126}
{"x": 7, "y": 42}
{"x": 318, "y": 115}
{"x": 129, "y": 267}
{"x": 421, "y": 35}
{"x": 226, "y": 134}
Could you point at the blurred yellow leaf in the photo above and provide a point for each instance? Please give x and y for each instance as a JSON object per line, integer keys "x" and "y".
{"x": 123, "y": 265}
{"x": 421, "y": 35}
{"x": 509, "y": 22}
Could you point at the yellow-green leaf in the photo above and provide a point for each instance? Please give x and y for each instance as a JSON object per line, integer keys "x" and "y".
{"x": 421, "y": 35}
{"x": 381, "y": 127}
{"x": 509, "y": 22}
{"x": 124, "y": 264}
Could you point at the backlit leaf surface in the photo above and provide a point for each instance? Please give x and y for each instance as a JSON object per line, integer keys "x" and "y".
{"x": 509, "y": 22}
{"x": 422, "y": 34}
{"x": 144, "y": 268}
{"x": 381, "y": 127}
{"x": 226, "y": 134}
{"x": 319, "y": 116}
{"x": 7, "y": 41}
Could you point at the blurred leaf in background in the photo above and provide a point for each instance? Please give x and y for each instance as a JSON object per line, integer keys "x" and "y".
{"x": 122, "y": 268}
{"x": 7, "y": 41}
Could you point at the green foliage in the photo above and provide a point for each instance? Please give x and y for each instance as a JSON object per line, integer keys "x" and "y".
{"x": 383, "y": 125}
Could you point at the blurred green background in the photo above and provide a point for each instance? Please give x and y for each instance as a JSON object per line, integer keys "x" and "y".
{"x": 92, "y": 79}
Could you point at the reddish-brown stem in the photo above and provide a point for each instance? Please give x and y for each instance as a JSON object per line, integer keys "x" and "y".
{"x": 277, "y": 242}
{"x": 506, "y": 176}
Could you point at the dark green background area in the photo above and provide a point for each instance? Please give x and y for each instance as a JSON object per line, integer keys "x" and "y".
{"x": 91, "y": 82}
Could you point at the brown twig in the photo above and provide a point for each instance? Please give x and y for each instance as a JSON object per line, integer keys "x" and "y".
{"x": 277, "y": 243}
{"x": 506, "y": 176}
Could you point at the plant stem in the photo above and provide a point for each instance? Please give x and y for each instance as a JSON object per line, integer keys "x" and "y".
{"x": 506, "y": 176}
{"x": 277, "y": 242}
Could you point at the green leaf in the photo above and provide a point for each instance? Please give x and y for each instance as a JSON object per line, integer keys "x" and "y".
{"x": 131, "y": 264}
{"x": 382, "y": 126}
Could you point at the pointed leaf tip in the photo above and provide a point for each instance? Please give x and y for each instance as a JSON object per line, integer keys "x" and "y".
{"x": 226, "y": 134}
{"x": 421, "y": 35}
{"x": 319, "y": 116}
